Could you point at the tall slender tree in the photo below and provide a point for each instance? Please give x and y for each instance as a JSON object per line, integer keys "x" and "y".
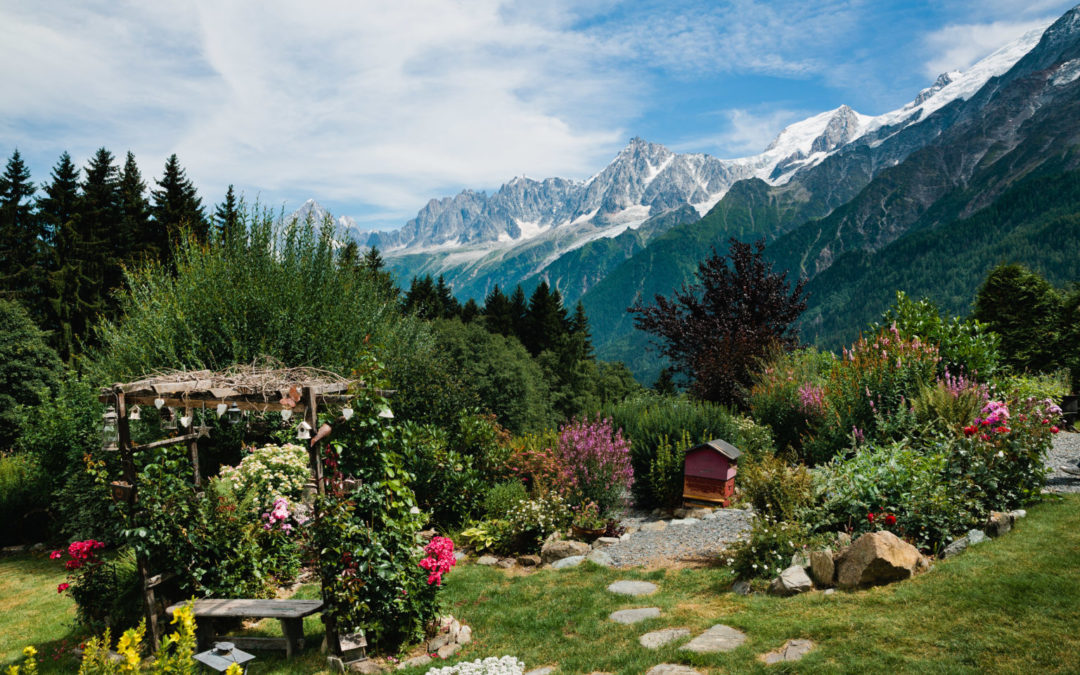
{"x": 227, "y": 216}
{"x": 449, "y": 307}
{"x": 518, "y": 309}
{"x": 497, "y": 316}
{"x": 135, "y": 226}
{"x": 58, "y": 211}
{"x": 176, "y": 207}
{"x": 545, "y": 321}
{"x": 21, "y": 240}
{"x": 102, "y": 248}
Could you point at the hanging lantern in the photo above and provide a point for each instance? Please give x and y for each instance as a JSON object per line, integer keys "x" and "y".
{"x": 347, "y": 413}
{"x": 223, "y": 656}
{"x": 234, "y": 414}
{"x": 168, "y": 419}
{"x": 110, "y": 432}
{"x": 221, "y": 409}
{"x": 386, "y": 413}
{"x": 159, "y": 402}
{"x": 303, "y": 432}
{"x": 135, "y": 413}
{"x": 286, "y": 413}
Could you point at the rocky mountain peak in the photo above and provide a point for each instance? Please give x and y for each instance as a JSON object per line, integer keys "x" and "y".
{"x": 943, "y": 80}
{"x": 843, "y": 126}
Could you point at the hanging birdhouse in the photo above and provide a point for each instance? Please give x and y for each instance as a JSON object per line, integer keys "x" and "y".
{"x": 709, "y": 473}
{"x": 110, "y": 432}
{"x": 303, "y": 431}
{"x": 121, "y": 491}
{"x": 135, "y": 413}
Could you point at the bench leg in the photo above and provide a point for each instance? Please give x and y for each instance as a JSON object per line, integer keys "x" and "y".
{"x": 293, "y": 630}
{"x": 204, "y": 633}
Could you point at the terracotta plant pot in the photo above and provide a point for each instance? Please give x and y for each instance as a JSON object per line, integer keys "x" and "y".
{"x": 587, "y": 533}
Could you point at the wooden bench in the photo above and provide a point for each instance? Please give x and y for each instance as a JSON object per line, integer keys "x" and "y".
{"x": 291, "y": 613}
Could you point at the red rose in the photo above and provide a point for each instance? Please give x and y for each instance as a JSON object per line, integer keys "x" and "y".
{"x": 890, "y": 519}
{"x": 870, "y": 517}
{"x": 970, "y": 430}
{"x": 62, "y": 587}
{"x": 1054, "y": 430}
{"x": 1002, "y": 430}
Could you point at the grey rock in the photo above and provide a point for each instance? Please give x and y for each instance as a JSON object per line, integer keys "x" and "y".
{"x": 976, "y": 537}
{"x": 679, "y": 513}
{"x": 672, "y": 669}
{"x": 1017, "y": 514}
{"x": 531, "y": 560}
{"x": 792, "y": 650}
{"x": 600, "y": 558}
{"x": 830, "y": 591}
{"x": 632, "y": 588}
{"x": 459, "y": 556}
{"x": 507, "y": 563}
{"x": 791, "y": 581}
{"x": 567, "y": 563}
{"x": 700, "y": 513}
{"x": 800, "y": 559}
{"x": 684, "y": 521}
{"x": 447, "y": 651}
{"x": 546, "y": 670}
{"x": 741, "y": 587}
{"x": 487, "y": 560}
{"x": 958, "y": 545}
{"x": 719, "y": 638}
{"x": 438, "y": 642}
{"x": 464, "y": 635}
{"x": 998, "y": 523}
{"x": 822, "y": 568}
{"x": 711, "y": 515}
{"x": 605, "y": 541}
{"x": 415, "y": 662}
{"x": 655, "y": 526}
{"x": 365, "y": 666}
{"x": 557, "y": 550}
{"x": 629, "y": 616}
{"x": 659, "y": 638}
{"x": 335, "y": 665}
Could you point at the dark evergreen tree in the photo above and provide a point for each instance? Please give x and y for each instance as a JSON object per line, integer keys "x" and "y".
{"x": 518, "y": 309}
{"x": 469, "y": 311}
{"x": 103, "y": 247}
{"x": 227, "y": 217}
{"x": 176, "y": 208}
{"x": 715, "y": 331}
{"x": 349, "y": 256}
{"x": 580, "y": 336}
{"x": 545, "y": 324}
{"x": 497, "y": 313}
{"x": 58, "y": 212}
{"x": 449, "y": 307}
{"x": 135, "y": 227}
{"x": 1025, "y": 310}
{"x": 665, "y": 383}
{"x": 422, "y": 299}
{"x": 373, "y": 260}
{"x": 22, "y": 240}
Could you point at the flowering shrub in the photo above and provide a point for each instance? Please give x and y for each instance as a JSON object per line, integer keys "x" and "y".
{"x": 531, "y": 522}
{"x": 788, "y": 394}
{"x": 775, "y": 488}
{"x": 535, "y": 463}
{"x": 270, "y": 472}
{"x": 597, "y": 459}
{"x": 587, "y": 516}
{"x": 506, "y": 665}
{"x": 768, "y": 550}
{"x": 950, "y": 402}
{"x": 439, "y": 560}
{"x": 29, "y": 664}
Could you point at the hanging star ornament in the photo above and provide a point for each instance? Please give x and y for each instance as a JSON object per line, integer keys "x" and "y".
{"x": 203, "y": 431}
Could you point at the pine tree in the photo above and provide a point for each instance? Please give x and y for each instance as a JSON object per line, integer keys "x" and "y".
{"x": 518, "y": 309}
{"x": 665, "y": 383}
{"x": 422, "y": 299}
{"x": 469, "y": 311}
{"x": 135, "y": 224}
{"x": 449, "y": 307}
{"x": 545, "y": 324}
{"x": 99, "y": 211}
{"x": 373, "y": 260}
{"x": 22, "y": 240}
{"x": 497, "y": 316}
{"x": 227, "y": 217}
{"x": 58, "y": 212}
{"x": 176, "y": 208}
{"x": 580, "y": 336}
{"x": 349, "y": 256}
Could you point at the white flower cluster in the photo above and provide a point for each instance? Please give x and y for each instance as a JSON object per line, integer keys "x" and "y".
{"x": 507, "y": 665}
{"x": 273, "y": 471}
{"x": 545, "y": 515}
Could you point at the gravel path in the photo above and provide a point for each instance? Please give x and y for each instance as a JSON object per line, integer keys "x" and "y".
{"x": 678, "y": 541}
{"x": 695, "y": 540}
{"x": 1065, "y": 452}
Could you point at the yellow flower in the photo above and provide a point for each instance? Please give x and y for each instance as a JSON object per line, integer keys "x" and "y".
{"x": 13, "y": 670}
{"x": 234, "y": 669}
{"x": 29, "y": 652}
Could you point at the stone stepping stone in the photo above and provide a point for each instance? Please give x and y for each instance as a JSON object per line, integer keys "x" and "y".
{"x": 600, "y": 558}
{"x": 628, "y": 616}
{"x": 670, "y": 669}
{"x": 659, "y": 638}
{"x": 487, "y": 560}
{"x": 719, "y": 638}
{"x": 655, "y": 526}
{"x": 566, "y": 563}
{"x": 684, "y": 521}
{"x": 626, "y": 587}
{"x": 793, "y": 650}
{"x": 546, "y": 670}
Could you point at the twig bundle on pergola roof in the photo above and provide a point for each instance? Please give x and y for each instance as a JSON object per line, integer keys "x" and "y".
{"x": 261, "y": 386}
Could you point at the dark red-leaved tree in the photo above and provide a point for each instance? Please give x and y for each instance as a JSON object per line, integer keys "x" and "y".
{"x": 714, "y": 331}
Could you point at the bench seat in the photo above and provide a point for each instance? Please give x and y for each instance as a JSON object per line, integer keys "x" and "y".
{"x": 291, "y": 613}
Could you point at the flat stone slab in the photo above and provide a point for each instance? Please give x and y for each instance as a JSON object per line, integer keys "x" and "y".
{"x": 655, "y": 526}
{"x": 659, "y": 638}
{"x": 671, "y": 669}
{"x": 628, "y": 616}
{"x": 632, "y": 588}
{"x": 566, "y": 563}
{"x": 684, "y": 521}
{"x": 546, "y": 670}
{"x": 600, "y": 558}
{"x": 719, "y": 638}
{"x": 793, "y": 650}
{"x": 487, "y": 560}
{"x": 605, "y": 541}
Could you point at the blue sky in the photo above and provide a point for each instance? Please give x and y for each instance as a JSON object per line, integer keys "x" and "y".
{"x": 375, "y": 107}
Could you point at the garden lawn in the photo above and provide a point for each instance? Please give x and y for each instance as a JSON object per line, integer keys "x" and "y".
{"x": 1009, "y": 605}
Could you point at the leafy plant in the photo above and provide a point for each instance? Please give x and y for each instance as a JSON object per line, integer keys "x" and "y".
{"x": 24, "y": 497}
{"x": 597, "y": 457}
{"x": 769, "y": 548}
{"x": 30, "y": 370}
{"x": 666, "y": 470}
{"x": 270, "y": 472}
{"x": 502, "y": 497}
{"x": 787, "y": 394}
{"x": 774, "y": 487}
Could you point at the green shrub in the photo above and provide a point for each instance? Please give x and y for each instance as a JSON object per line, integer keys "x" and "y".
{"x": 446, "y": 482}
{"x": 949, "y": 403}
{"x": 769, "y": 548}
{"x": 111, "y": 596}
{"x": 774, "y": 488}
{"x": 1051, "y": 385}
{"x": 666, "y": 471}
{"x": 24, "y": 498}
{"x": 502, "y": 497}
{"x": 532, "y": 521}
{"x": 787, "y": 394}
{"x": 30, "y": 370}
{"x": 270, "y": 472}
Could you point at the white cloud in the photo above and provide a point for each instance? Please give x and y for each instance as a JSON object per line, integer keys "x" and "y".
{"x": 957, "y": 46}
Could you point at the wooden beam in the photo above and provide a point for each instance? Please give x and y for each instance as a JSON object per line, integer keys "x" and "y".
{"x": 193, "y": 447}
{"x": 167, "y": 441}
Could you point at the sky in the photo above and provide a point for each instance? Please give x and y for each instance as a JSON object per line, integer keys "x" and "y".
{"x": 375, "y": 107}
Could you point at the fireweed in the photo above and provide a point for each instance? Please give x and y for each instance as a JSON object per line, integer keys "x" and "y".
{"x": 597, "y": 462}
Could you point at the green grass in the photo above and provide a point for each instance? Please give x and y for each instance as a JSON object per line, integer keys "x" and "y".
{"x": 1011, "y": 605}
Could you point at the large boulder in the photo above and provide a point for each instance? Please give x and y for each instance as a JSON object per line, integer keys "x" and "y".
{"x": 559, "y": 549}
{"x": 791, "y": 581}
{"x": 822, "y": 568}
{"x": 877, "y": 558}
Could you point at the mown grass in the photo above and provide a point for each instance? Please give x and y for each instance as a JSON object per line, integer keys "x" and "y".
{"x": 1011, "y": 605}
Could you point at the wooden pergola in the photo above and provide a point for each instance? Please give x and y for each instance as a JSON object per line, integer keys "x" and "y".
{"x": 259, "y": 388}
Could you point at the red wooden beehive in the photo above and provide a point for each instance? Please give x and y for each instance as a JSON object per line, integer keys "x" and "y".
{"x": 709, "y": 473}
